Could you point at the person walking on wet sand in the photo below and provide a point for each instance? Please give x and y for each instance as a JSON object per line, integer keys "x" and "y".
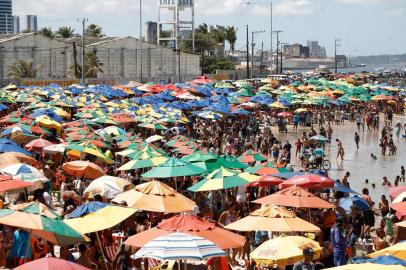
{"x": 356, "y": 139}
{"x": 340, "y": 152}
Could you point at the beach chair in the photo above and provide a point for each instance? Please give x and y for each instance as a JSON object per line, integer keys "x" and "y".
{"x": 165, "y": 265}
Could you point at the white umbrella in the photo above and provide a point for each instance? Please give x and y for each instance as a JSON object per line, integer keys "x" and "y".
{"x": 53, "y": 149}
{"x": 107, "y": 186}
{"x": 179, "y": 246}
{"x": 154, "y": 138}
{"x": 19, "y": 168}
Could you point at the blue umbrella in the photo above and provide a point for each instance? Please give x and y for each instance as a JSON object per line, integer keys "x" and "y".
{"x": 348, "y": 202}
{"x": 3, "y": 107}
{"x": 5, "y": 147}
{"x": 87, "y": 208}
{"x": 7, "y": 141}
{"x": 341, "y": 188}
{"x": 385, "y": 260}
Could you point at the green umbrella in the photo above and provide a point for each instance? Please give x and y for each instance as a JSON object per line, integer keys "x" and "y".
{"x": 198, "y": 156}
{"x": 42, "y": 224}
{"x": 225, "y": 161}
{"x": 224, "y": 178}
{"x": 174, "y": 167}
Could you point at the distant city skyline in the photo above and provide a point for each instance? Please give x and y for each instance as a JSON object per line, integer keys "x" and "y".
{"x": 365, "y": 27}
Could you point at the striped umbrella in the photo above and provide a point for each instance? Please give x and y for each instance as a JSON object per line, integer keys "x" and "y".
{"x": 179, "y": 246}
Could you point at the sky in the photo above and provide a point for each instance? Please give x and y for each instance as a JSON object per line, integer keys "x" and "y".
{"x": 365, "y": 27}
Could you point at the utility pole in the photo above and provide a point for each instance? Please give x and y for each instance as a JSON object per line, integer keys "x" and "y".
{"x": 140, "y": 38}
{"x": 277, "y": 49}
{"x": 252, "y": 51}
{"x": 248, "y": 54}
{"x": 282, "y": 44}
{"x": 84, "y": 20}
{"x": 336, "y": 44}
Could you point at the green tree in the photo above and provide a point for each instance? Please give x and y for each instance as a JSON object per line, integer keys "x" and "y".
{"x": 211, "y": 64}
{"x": 93, "y": 67}
{"x": 65, "y": 32}
{"x": 94, "y": 30}
{"x": 22, "y": 69}
{"x": 46, "y": 31}
{"x": 231, "y": 37}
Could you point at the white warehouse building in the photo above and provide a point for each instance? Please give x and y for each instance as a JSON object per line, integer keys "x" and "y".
{"x": 120, "y": 58}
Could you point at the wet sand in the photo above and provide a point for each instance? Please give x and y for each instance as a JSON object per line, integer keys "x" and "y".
{"x": 358, "y": 162}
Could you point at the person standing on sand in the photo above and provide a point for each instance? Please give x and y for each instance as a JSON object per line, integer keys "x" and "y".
{"x": 340, "y": 151}
{"x": 356, "y": 139}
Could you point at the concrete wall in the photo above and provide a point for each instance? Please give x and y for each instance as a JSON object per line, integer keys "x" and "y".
{"x": 120, "y": 58}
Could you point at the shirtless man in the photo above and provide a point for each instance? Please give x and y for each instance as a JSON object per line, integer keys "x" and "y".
{"x": 340, "y": 152}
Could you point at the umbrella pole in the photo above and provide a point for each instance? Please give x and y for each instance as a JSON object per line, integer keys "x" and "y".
{"x": 28, "y": 247}
{"x": 101, "y": 250}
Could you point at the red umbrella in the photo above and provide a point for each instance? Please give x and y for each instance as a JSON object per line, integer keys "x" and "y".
{"x": 401, "y": 207}
{"x": 266, "y": 181}
{"x": 396, "y": 191}
{"x": 7, "y": 184}
{"x": 191, "y": 225}
{"x": 295, "y": 196}
{"x": 308, "y": 181}
{"x": 37, "y": 145}
{"x": 284, "y": 114}
{"x": 51, "y": 264}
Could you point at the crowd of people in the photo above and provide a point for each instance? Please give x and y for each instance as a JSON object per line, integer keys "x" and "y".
{"x": 343, "y": 233}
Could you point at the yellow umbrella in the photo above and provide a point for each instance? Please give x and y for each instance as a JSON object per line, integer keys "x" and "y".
{"x": 284, "y": 250}
{"x": 398, "y": 250}
{"x": 278, "y": 105}
{"x": 156, "y": 197}
{"x": 46, "y": 122}
{"x": 102, "y": 219}
{"x": 273, "y": 218}
{"x": 368, "y": 266}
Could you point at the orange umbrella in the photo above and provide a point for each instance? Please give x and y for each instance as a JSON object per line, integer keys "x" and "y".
{"x": 37, "y": 145}
{"x": 14, "y": 157}
{"x": 191, "y": 225}
{"x": 85, "y": 169}
{"x": 295, "y": 197}
{"x": 156, "y": 197}
{"x": 273, "y": 218}
{"x": 7, "y": 184}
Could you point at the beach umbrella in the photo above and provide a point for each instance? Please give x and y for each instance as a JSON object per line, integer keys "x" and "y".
{"x": 107, "y": 186}
{"x": 367, "y": 266}
{"x": 143, "y": 163}
{"x": 8, "y": 185}
{"x": 192, "y": 225}
{"x": 284, "y": 114}
{"x": 284, "y": 251}
{"x": 50, "y": 263}
{"x": 87, "y": 148}
{"x": 174, "y": 167}
{"x": 223, "y": 178}
{"x": 54, "y": 230}
{"x": 95, "y": 216}
{"x": 272, "y": 218}
{"x": 37, "y": 145}
{"x": 394, "y": 191}
{"x": 85, "y": 169}
{"x": 154, "y": 138}
{"x": 295, "y": 196}
{"x": 19, "y": 168}
{"x": 348, "y": 202}
{"x": 251, "y": 156}
{"x": 301, "y": 110}
{"x": 225, "y": 161}
{"x": 155, "y": 196}
{"x": 266, "y": 181}
{"x": 339, "y": 187}
{"x": 48, "y": 123}
{"x": 318, "y": 138}
{"x": 384, "y": 260}
{"x": 155, "y": 126}
{"x": 54, "y": 149}
{"x": 5, "y": 146}
{"x": 267, "y": 169}
{"x": 399, "y": 198}
{"x": 398, "y": 250}
{"x": 15, "y": 157}
{"x": 15, "y": 129}
{"x": 308, "y": 181}
{"x": 114, "y": 130}
{"x": 199, "y": 156}
{"x": 277, "y": 105}
{"x": 401, "y": 206}
{"x": 179, "y": 246}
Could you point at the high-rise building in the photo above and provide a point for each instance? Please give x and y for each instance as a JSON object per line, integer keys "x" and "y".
{"x": 315, "y": 49}
{"x": 32, "y": 25}
{"x": 16, "y": 24}
{"x": 151, "y": 32}
{"x": 6, "y": 17}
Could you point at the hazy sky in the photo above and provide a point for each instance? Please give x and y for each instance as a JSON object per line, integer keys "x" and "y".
{"x": 364, "y": 26}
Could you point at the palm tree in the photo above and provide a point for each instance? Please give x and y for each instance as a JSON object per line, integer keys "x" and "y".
{"x": 65, "y": 32}
{"x": 93, "y": 67}
{"x": 231, "y": 37}
{"x": 46, "y": 31}
{"x": 203, "y": 29}
{"x": 22, "y": 69}
{"x": 94, "y": 30}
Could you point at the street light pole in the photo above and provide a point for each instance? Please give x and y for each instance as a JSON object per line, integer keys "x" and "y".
{"x": 141, "y": 53}
{"x": 271, "y": 30}
{"x": 336, "y": 44}
{"x": 277, "y": 49}
{"x": 248, "y": 54}
{"x": 252, "y": 51}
